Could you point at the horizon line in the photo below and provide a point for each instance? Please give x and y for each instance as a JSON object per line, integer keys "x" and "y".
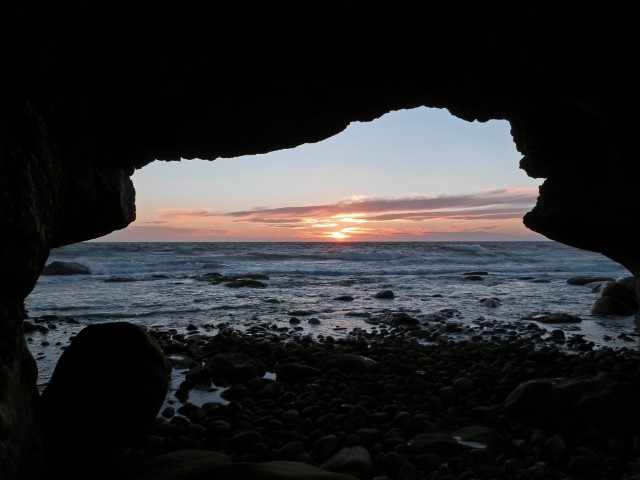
{"x": 319, "y": 241}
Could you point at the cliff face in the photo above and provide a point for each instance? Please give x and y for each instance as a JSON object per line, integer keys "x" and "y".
{"x": 93, "y": 95}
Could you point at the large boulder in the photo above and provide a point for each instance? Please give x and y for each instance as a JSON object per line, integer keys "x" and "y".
{"x": 104, "y": 395}
{"x": 617, "y": 298}
{"x": 606, "y": 403}
{"x": 65, "y": 268}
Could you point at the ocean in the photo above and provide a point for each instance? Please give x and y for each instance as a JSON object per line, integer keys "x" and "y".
{"x": 328, "y": 288}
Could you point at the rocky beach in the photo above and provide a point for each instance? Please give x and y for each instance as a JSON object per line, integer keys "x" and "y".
{"x": 364, "y": 362}
{"x": 405, "y": 401}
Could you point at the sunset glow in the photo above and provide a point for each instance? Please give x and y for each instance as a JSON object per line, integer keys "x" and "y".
{"x": 425, "y": 176}
{"x": 488, "y": 215}
{"x": 339, "y": 235}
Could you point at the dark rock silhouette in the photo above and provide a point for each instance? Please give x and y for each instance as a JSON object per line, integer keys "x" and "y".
{"x": 617, "y": 297}
{"x": 82, "y": 110}
{"x": 385, "y": 294}
{"x": 587, "y": 279}
{"x": 65, "y": 268}
{"x": 603, "y": 403}
{"x": 346, "y": 362}
{"x": 105, "y": 392}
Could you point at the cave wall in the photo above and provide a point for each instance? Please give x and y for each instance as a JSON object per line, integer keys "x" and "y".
{"x": 90, "y": 95}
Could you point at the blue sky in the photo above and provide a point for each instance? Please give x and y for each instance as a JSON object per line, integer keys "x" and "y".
{"x": 410, "y": 175}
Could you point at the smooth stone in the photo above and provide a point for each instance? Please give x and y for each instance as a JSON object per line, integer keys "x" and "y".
{"x": 236, "y": 392}
{"x": 289, "y": 450}
{"x": 604, "y": 402}
{"x": 346, "y": 362}
{"x": 355, "y": 461}
{"x": 391, "y": 462}
{"x": 292, "y": 373}
{"x": 490, "y": 302}
{"x": 439, "y": 444}
{"x": 273, "y": 470}
{"x": 586, "y": 279}
{"x": 555, "y": 445}
{"x": 344, "y": 298}
{"x": 234, "y": 367}
{"x": 325, "y": 446}
{"x": 244, "y": 440}
{"x": 65, "y": 268}
{"x": 177, "y": 465}
{"x": 402, "y": 318}
{"x": 608, "y": 305}
{"x": 385, "y": 295}
{"x": 617, "y": 297}
{"x": 480, "y": 436}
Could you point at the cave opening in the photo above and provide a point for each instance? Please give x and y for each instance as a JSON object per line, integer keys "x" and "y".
{"x": 306, "y": 252}
{"x": 492, "y": 352}
{"x": 412, "y": 177}
{"x": 424, "y": 174}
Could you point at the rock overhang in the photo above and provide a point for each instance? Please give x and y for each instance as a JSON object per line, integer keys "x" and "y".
{"x": 91, "y": 95}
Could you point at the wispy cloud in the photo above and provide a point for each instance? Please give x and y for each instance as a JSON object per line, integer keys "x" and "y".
{"x": 187, "y": 212}
{"x": 451, "y": 214}
{"x": 273, "y": 221}
{"x": 152, "y": 233}
{"x": 489, "y": 214}
{"x": 495, "y": 204}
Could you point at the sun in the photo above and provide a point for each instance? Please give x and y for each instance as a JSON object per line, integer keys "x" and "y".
{"x": 339, "y": 235}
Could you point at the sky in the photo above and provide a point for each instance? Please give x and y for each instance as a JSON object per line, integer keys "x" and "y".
{"x": 411, "y": 175}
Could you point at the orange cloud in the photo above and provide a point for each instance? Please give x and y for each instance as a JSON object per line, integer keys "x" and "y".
{"x": 451, "y": 214}
{"x": 366, "y": 206}
{"x": 490, "y": 214}
{"x": 186, "y": 212}
{"x": 495, "y": 204}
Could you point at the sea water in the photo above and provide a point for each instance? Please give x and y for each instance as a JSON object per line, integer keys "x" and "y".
{"x": 161, "y": 285}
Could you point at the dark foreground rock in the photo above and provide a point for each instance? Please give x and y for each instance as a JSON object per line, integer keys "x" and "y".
{"x": 605, "y": 403}
{"x": 104, "y": 394}
{"x": 617, "y": 298}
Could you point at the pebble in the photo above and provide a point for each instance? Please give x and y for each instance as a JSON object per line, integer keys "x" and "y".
{"x": 394, "y": 415}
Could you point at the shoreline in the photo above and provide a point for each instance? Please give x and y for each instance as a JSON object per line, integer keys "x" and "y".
{"x": 49, "y": 335}
{"x": 429, "y": 405}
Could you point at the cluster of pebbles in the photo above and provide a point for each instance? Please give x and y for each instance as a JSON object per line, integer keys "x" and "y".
{"x": 439, "y": 401}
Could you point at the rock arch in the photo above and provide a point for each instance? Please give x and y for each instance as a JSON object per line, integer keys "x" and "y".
{"x": 93, "y": 95}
